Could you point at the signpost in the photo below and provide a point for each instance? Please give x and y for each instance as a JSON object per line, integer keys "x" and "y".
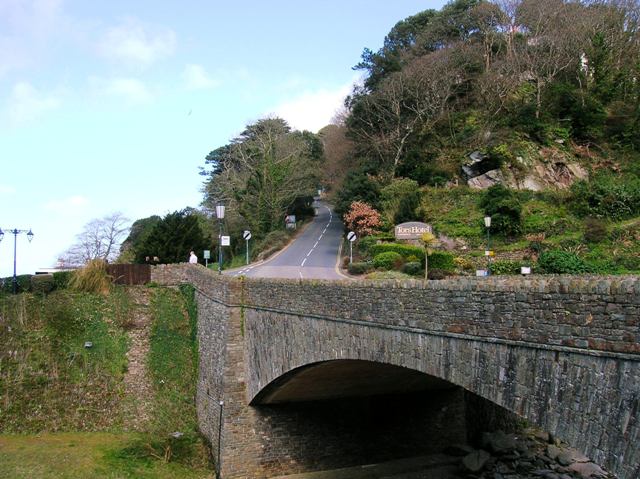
{"x": 351, "y": 236}
{"x": 225, "y": 240}
{"x": 207, "y": 256}
{"x": 290, "y": 222}
{"x": 247, "y": 236}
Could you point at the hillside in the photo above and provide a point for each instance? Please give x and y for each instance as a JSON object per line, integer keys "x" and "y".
{"x": 101, "y": 408}
{"x": 524, "y": 111}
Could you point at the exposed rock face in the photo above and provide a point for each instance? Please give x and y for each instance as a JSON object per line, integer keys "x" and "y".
{"x": 556, "y": 172}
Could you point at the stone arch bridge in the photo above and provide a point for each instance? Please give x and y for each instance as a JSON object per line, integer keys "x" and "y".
{"x": 561, "y": 352}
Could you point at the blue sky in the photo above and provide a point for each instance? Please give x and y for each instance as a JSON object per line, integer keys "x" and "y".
{"x": 112, "y": 106}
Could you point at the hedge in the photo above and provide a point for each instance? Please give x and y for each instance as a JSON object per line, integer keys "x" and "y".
{"x": 23, "y": 280}
{"x": 441, "y": 260}
{"x": 404, "y": 250}
{"x": 360, "y": 268}
{"x": 42, "y": 283}
{"x": 388, "y": 260}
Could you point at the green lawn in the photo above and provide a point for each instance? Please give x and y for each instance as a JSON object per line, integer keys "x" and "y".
{"x": 84, "y": 455}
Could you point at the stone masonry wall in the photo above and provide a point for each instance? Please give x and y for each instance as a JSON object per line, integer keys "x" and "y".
{"x": 562, "y": 352}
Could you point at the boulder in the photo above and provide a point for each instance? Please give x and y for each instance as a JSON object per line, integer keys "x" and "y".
{"x": 476, "y": 460}
{"x": 499, "y": 442}
{"x": 588, "y": 470}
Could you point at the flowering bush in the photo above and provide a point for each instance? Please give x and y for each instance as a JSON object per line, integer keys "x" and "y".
{"x": 362, "y": 218}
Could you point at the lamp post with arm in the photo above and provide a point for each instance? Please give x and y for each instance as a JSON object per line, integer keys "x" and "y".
{"x": 15, "y": 232}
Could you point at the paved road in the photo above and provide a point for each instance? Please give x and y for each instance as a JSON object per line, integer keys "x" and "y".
{"x": 313, "y": 254}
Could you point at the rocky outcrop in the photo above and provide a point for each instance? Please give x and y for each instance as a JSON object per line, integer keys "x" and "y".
{"x": 551, "y": 171}
{"x": 531, "y": 455}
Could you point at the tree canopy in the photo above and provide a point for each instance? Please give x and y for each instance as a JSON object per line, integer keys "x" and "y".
{"x": 100, "y": 239}
{"x": 173, "y": 237}
{"x": 460, "y": 76}
{"x": 262, "y": 172}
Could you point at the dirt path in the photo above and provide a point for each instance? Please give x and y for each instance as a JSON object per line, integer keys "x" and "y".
{"x": 138, "y": 389}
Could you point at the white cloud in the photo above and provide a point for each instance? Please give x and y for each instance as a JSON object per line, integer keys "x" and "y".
{"x": 68, "y": 206}
{"x": 313, "y": 110}
{"x": 131, "y": 90}
{"x": 27, "y": 104}
{"x": 196, "y": 78}
{"x": 7, "y": 190}
{"x": 136, "y": 45}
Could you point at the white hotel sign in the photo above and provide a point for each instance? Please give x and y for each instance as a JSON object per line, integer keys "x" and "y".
{"x": 412, "y": 230}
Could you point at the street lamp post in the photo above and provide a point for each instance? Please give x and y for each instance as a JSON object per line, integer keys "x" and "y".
{"x": 15, "y": 232}
{"x": 220, "y": 215}
{"x": 487, "y": 223}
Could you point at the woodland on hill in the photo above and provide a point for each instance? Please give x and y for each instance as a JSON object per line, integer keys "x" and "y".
{"x": 538, "y": 101}
{"x": 505, "y": 77}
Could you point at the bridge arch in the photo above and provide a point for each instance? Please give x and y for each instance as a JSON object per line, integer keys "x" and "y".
{"x": 345, "y": 378}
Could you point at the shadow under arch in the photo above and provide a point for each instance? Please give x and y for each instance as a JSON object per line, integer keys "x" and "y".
{"x": 346, "y": 378}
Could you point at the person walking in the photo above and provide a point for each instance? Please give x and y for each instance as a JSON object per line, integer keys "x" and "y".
{"x": 193, "y": 259}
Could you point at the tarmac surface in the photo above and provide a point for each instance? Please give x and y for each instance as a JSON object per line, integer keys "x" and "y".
{"x": 312, "y": 255}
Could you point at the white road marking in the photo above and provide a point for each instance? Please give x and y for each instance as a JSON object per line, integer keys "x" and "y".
{"x": 300, "y": 273}
{"x": 303, "y": 262}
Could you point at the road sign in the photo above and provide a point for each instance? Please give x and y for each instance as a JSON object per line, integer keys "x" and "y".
{"x": 351, "y": 236}
{"x": 247, "y": 236}
{"x": 225, "y": 240}
{"x": 207, "y": 254}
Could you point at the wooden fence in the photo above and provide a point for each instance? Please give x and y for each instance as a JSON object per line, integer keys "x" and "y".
{"x": 130, "y": 274}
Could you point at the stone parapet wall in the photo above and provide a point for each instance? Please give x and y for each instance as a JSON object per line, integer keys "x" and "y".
{"x": 597, "y": 314}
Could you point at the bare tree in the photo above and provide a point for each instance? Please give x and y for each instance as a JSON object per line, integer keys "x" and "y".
{"x": 553, "y": 42}
{"x": 338, "y": 154}
{"x": 100, "y": 239}
{"x": 413, "y": 98}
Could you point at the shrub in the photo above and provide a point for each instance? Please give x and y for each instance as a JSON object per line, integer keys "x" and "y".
{"x": 364, "y": 244}
{"x": 441, "y": 260}
{"x": 595, "y": 230}
{"x": 504, "y": 208}
{"x": 388, "y": 260}
{"x": 42, "y": 283}
{"x": 505, "y": 267}
{"x": 92, "y": 278}
{"x": 413, "y": 268}
{"x": 562, "y": 262}
{"x": 463, "y": 263}
{"x": 607, "y": 196}
{"x": 61, "y": 279}
{"x": 438, "y": 274}
{"x": 23, "y": 284}
{"x": 359, "y": 268}
{"x": 362, "y": 218}
{"x": 405, "y": 250}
